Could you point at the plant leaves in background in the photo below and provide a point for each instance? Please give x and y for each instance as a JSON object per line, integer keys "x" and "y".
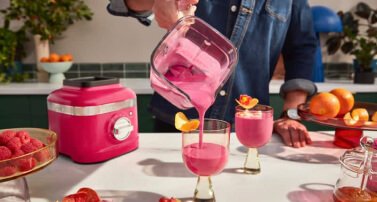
{"x": 333, "y": 44}
{"x": 347, "y": 47}
{"x": 363, "y": 10}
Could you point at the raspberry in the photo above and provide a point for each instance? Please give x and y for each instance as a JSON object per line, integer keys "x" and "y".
{"x": 7, "y": 171}
{"x": 17, "y": 153}
{"x": 24, "y": 136}
{"x": 28, "y": 147}
{"x": 37, "y": 143}
{"x": 5, "y": 136}
{"x": 42, "y": 155}
{"x": 14, "y": 144}
{"x": 5, "y": 153}
{"x": 25, "y": 164}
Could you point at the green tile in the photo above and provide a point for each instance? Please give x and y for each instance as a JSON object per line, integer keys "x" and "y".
{"x": 39, "y": 105}
{"x": 69, "y": 75}
{"x": 112, "y": 67}
{"x": 19, "y": 122}
{"x": 136, "y": 67}
{"x": 113, "y": 74}
{"x": 75, "y": 67}
{"x": 90, "y": 67}
{"x": 136, "y": 75}
{"x": 90, "y": 74}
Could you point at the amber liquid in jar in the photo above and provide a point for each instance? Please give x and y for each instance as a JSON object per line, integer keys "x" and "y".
{"x": 353, "y": 194}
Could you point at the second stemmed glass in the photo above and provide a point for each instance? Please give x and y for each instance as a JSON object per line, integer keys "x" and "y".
{"x": 206, "y": 155}
{"x": 253, "y": 129}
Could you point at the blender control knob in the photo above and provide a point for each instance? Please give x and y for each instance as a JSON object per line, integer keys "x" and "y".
{"x": 122, "y": 128}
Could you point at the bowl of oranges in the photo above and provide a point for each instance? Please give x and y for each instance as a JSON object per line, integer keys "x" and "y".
{"x": 56, "y": 65}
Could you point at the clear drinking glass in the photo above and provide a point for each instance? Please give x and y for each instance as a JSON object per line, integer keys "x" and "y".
{"x": 253, "y": 129}
{"x": 206, "y": 155}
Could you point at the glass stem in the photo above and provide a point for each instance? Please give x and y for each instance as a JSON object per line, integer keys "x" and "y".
{"x": 252, "y": 165}
{"x": 204, "y": 191}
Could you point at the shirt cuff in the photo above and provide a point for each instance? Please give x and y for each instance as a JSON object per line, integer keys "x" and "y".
{"x": 119, "y": 8}
{"x": 298, "y": 84}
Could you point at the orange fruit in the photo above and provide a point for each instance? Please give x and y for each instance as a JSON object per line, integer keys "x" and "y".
{"x": 324, "y": 104}
{"x": 360, "y": 114}
{"x": 44, "y": 59}
{"x": 345, "y": 98}
{"x": 66, "y": 58}
{"x": 374, "y": 116}
{"x": 53, "y": 57}
{"x": 183, "y": 124}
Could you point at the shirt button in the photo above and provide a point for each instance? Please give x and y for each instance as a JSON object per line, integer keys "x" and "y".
{"x": 222, "y": 92}
{"x": 233, "y": 8}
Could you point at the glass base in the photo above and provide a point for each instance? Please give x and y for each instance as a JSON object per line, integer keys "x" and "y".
{"x": 347, "y": 138}
{"x": 14, "y": 190}
{"x": 204, "y": 191}
{"x": 252, "y": 171}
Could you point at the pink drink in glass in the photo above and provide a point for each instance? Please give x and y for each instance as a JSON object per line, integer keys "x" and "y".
{"x": 208, "y": 160}
{"x": 253, "y": 129}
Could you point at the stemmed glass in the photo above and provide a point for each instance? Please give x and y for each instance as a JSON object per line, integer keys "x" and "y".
{"x": 206, "y": 155}
{"x": 253, "y": 129}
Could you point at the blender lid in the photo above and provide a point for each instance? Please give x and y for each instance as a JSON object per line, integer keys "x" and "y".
{"x": 85, "y": 82}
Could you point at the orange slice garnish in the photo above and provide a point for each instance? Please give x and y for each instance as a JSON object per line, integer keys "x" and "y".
{"x": 352, "y": 121}
{"x": 183, "y": 124}
{"x": 247, "y": 102}
{"x": 360, "y": 114}
{"x": 374, "y": 116}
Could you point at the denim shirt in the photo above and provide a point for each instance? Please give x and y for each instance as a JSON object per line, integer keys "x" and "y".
{"x": 261, "y": 30}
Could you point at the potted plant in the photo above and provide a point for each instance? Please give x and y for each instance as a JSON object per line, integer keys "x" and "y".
{"x": 45, "y": 20}
{"x": 359, "y": 38}
{"x": 11, "y": 50}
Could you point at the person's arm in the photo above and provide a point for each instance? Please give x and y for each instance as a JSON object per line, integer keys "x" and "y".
{"x": 298, "y": 52}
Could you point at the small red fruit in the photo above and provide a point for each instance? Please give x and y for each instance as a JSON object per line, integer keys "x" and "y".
{"x": 5, "y": 153}
{"x": 77, "y": 197}
{"x": 5, "y": 136}
{"x": 42, "y": 155}
{"x": 92, "y": 195}
{"x": 14, "y": 144}
{"x": 25, "y": 164}
{"x": 24, "y": 136}
{"x": 164, "y": 199}
{"x": 37, "y": 143}
{"x": 29, "y": 147}
{"x": 7, "y": 171}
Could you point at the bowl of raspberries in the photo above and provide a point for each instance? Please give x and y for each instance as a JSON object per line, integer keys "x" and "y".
{"x": 25, "y": 150}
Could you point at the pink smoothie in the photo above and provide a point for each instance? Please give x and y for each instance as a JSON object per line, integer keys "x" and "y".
{"x": 254, "y": 131}
{"x": 208, "y": 160}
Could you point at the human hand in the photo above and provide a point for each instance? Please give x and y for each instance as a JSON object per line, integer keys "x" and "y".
{"x": 166, "y": 11}
{"x": 293, "y": 132}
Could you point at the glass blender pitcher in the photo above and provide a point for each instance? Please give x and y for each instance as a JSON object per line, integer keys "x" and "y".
{"x": 358, "y": 178}
{"x": 192, "y": 56}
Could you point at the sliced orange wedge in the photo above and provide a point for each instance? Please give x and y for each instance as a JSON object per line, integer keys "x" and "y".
{"x": 374, "y": 116}
{"x": 352, "y": 121}
{"x": 247, "y": 102}
{"x": 360, "y": 114}
{"x": 183, "y": 124}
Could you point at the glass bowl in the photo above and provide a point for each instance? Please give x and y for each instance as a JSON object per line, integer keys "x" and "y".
{"x": 34, "y": 161}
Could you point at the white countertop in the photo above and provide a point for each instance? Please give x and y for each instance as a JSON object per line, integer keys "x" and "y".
{"x": 142, "y": 86}
{"x": 156, "y": 169}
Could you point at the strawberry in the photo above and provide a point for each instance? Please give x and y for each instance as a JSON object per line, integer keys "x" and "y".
{"x": 164, "y": 199}
{"x": 25, "y": 164}
{"x": 172, "y": 199}
{"x": 7, "y": 170}
{"x": 5, "y": 136}
{"x": 5, "y": 153}
{"x": 24, "y": 136}
{"x": 77, "y": 197}
{"x": 14, "y": 144}
{"x": 92, "y": 195}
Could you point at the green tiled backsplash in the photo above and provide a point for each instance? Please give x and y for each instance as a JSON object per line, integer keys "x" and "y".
{"x": 119, "y": 70}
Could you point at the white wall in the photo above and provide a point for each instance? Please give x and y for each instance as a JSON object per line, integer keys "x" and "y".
{"x": 108, "y": 38}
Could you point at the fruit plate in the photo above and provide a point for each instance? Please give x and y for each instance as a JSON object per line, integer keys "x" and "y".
{"x": 338, "y": 122}
{"x": 31, "y": 162}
